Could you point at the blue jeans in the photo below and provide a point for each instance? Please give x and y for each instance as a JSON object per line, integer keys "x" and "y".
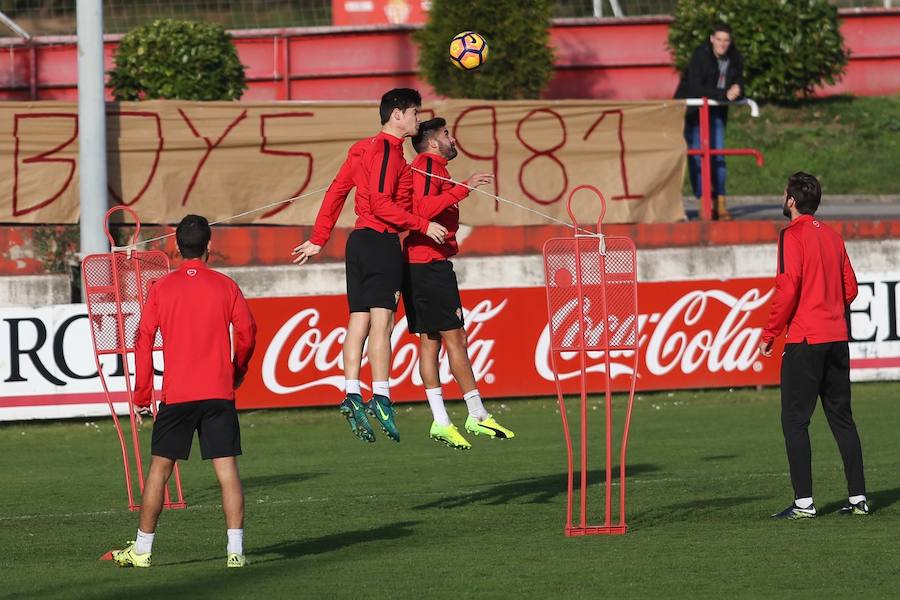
{"x": 716, "y": 140}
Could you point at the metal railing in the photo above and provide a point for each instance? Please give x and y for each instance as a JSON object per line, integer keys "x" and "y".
{"x": 706, "y": 152}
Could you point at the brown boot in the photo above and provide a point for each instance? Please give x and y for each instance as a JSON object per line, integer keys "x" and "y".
{"x": 721, "y": 211}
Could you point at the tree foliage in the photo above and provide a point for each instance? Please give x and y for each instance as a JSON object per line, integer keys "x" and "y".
{"x": 789, "y": 47}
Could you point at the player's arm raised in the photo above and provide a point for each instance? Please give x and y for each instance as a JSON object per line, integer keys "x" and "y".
{"x": 383, "y": 186}
{"x": 329, "y": 212}
{"x": 428, "y": 205}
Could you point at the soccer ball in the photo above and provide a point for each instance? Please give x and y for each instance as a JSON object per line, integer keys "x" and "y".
{"x": 468, "y": 50}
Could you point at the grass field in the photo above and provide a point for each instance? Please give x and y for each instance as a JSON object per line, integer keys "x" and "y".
{"x": 825, "y": 137}
{"x": 328, "y": 516}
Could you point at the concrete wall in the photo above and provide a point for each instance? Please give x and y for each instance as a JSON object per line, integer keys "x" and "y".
{"x": 664, "y": 264}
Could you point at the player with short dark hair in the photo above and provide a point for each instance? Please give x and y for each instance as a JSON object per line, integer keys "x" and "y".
{"x": 378, "y": 170}
{"x": 196, "y": 309}
{"x": 431, "y": 294}
{"x": 813, "y": 291}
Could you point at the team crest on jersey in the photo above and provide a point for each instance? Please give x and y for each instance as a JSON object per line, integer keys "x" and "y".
{"x": 191, "y": 272}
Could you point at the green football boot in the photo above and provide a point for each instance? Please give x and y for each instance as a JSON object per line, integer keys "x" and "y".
{"x": 488, "y": 427}
{"x": 353, "y": 409}
{"x": 449, "y": 435}
{"x": 380, "y": 409}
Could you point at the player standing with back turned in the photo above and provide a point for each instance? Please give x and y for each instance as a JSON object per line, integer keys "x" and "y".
{"x": 813, "y": 291}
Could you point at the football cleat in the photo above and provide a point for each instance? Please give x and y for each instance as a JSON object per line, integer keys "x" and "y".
{"x": 127, "y": 557}
{"x": 488, "y": 427}
{"x": 795, "y": 512}
{"x": 860, "y": 508}
{"x": 235, "y": 561}
{"x": 352, "y": 408}
{"x": 449, "y": 435}
{"x": 380, "y": 409}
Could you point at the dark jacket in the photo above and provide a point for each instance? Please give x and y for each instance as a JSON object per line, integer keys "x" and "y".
{"x": 702, "y": 73}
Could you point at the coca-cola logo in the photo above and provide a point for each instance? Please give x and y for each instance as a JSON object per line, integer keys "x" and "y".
{"x": 314, "y": 357}
{"x": 675, "y": 343}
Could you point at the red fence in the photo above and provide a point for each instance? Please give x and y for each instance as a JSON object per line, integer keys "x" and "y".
{"x": 605, "y": 58}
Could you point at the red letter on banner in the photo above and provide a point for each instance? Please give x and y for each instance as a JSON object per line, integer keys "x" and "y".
{"x": 43, "y": 157}
{"x": 549, "y": 153}
{"x": 624, "y": 172}
{"x": 495, "y": 167}
{"x": 156, "y": 155}
{"x": 264, "y": 150}
{"x": 209, "y": 148}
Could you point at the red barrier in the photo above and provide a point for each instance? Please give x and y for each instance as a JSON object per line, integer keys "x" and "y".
{"x": 598, "y": 277}
{"x": 595, "y": 58}
{"x": 115, "y": 287}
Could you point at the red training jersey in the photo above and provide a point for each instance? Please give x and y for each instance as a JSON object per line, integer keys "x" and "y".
{"x": 436, "y": 200}
{"x": 194, "y": 307}
{"x": 814, "y": 286}
{"x": 378, "y": 170}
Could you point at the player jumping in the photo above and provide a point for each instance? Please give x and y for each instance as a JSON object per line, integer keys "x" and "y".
{"x": 383, "y": 181}
{"x": 430, "y": 291}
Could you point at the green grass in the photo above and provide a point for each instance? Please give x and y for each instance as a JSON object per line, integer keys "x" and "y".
{"x": 852, "y": 144}
{"x": 328, "y": 516}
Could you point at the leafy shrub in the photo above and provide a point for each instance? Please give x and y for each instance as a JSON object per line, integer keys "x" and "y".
{"x": 177, "y": 59}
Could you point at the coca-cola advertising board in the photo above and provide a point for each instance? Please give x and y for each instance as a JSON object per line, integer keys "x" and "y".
{"x": 692, "y": 334}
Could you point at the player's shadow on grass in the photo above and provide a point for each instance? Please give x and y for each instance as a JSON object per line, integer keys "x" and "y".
{"x": 254, "y": 484}
{"x": 333, "y": 542}
{"x": 531, "y": 490}
{"x": 320, "y": 545}
{"x": 877, "y": 501}
{"x": 689, "y": 510}
{"x": 718, "y": 457}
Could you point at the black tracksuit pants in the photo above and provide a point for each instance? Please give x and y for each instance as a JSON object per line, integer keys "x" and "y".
{"x": 810, "y": 371}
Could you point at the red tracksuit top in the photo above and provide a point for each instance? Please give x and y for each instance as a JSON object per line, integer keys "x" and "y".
{"x": 435, "y": 200}
{"x": 194, "y": 307}
{"x": 814, "y": 285}
{"x": 377, "y": 168}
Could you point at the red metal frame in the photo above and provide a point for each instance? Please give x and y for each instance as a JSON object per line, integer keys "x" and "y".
{"x": 605, "y": 269}
{"x": 706, "y": 153}
{"x": 112, "y": 288}
{"x": 615, "y": 59}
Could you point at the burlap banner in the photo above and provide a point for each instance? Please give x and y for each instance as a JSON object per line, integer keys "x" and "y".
{"x": 168, "y": 158}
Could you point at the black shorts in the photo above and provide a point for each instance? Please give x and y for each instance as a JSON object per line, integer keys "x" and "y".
{"x": 215, "y": 422}
{"x": 374, "y": 270}
{"x": 431, "y": 297}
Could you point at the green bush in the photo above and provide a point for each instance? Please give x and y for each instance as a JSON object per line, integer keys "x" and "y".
{"x": 177, "y": 59}
{"x": 520, "y": 61}
{"x": 789, "y": 47}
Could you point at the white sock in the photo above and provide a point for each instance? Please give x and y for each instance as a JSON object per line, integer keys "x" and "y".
{"x": 803, "y": 502}
{"x": 351, "y": 386}
{"x": 381, "y": 388}
{"x": 436, "y": 402}
{"x": 143, "y": 543}
{"x": 235, "y": 541}
{"x": 476, "y": 408}
{"x": 857, "y": 499}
